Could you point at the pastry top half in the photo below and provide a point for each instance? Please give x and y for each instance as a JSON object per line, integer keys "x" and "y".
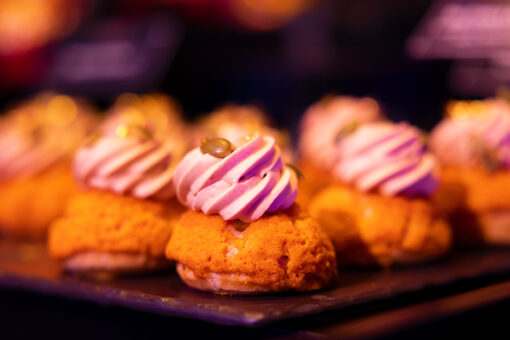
{"x": 242, "y": 179}
{"x": 388, "y": 158}
{"x": 135, "y": 153}
{"x": 474, "y": 135}
{"x": 42, "y": 132}
{"x": 326, "y": 121}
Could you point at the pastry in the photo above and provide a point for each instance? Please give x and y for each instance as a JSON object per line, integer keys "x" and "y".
{"x": 379, "y": 211}
{"x": 123, "y": 216}
{"x": 38, "y": 138}
{"x": 321, "y": 126}
{"x": 158, "y": 112}
{"x": 473, "y": 146}
{"x": 235, "y": 121}
{"x": 243, "y": 234}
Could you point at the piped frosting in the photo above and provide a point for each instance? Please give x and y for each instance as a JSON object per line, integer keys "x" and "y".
{"x": 325, "y": 120}
{"x": 141, "y": 168}
{"x": 137, "y": 149}
{"x": 475, "y": 135}
{"x": 42, "y": 132}
{"x": 386, "y": 157}
{"x": 246, "y": 184}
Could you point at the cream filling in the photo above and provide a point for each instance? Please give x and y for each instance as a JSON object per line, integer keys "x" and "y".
{"x": 220, "y": 283}
{"x": 92, "y": 261}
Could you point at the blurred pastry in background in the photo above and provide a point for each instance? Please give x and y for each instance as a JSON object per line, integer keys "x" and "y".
{"x": 159, "y": 112}
{"x": 123, "y": 216}
{"x": 379, "y": 210}
{"x": 38, "y": 139}
{"x": 473, "y": 145}
{"x": 243, "y": 234}
{"x": 30, "y": 24}
{"x": 235, "y": 121}
{"x": 320, "y": 129}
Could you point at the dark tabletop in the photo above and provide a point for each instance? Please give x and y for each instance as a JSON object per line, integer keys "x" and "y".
{"x": 480, "y": 310}
{"x": 473, "y": 301}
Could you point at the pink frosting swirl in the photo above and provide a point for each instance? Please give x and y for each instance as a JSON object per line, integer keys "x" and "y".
{"x": 244, "y": 185}
{"x": 323, "y": 121}
{"x": 42, "y": 132}
{"x": 475, "y": 139}
{"x": 142, "y": 168}
{"x": 387, "y": 157}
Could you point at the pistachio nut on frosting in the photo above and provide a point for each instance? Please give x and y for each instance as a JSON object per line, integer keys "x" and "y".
{"x": 239, "y": 180}
{"x": 475, "y": 134}
{"x": 42, "y": 132}
{"x": 131, "y": 161}
{"x": 325, "y": 121}
{"x": 237, "y": 121}
{"x": 157, "y": 112}
{"x": 387, "y": 157}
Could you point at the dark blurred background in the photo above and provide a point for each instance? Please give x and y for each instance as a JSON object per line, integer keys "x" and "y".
{"x": 280, "y": 54}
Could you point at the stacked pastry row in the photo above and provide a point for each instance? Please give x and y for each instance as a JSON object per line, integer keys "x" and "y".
{"x": 141, "y": 189}
{"x": 387, "y": 193}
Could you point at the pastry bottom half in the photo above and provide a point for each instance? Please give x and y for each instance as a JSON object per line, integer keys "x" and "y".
{"x": 477, "y": 203}
{"x": 102, "y": 231}
{"x": 28, "y": 205}
{"x": 103, "y": 264}
{"x": 369, "y": 229}
{"x": 223, "y": 284}
{"x": 279, "y": 252}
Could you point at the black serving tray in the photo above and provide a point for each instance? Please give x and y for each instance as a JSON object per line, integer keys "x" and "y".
{"x": 28, "y": 267}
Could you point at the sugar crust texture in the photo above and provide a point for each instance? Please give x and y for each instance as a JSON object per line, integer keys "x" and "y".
{"x": 105, "y": 222}
{"x": 368, "y": 229}
{"x": 29, "y": 204}
{"x": 278, "y": 252}
{"x": 478, "y": 205}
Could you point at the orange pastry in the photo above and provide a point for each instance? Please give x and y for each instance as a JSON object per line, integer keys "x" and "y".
{"x": 379, "y": 211}
{"x": 243, "y": 233}
{"x": 123, "y": 216}
{"x": 38, "y": 139}
{"x": 321, "y": 126}
{"x": 473, "y": 146}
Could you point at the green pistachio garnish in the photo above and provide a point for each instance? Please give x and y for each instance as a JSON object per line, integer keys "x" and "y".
{"x": 346, "y": 130}
{"x": 217, "y": 147}
{"x": 490, "y": 161}
{"x": 298, "y": 172}
{"x": 36, "y": 133}
{"x": 92, "y": 139}
{"x": 424, "y": 136}
{"x": 488, "y": 156}
{"x": 327, "y": 98}
{"x": 503, "y": 92}
{"x": 239, "y": 225}
{"x": 133, "y": 131}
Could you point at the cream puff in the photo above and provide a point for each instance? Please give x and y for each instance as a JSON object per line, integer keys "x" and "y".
{"x": 473, "y": 145}
{"x": 38, "y": 139}
{"x": 320, "y": 129}
{"x": 379, "y": 211}
{"x": 122, "y": 218}
{"x": 242, "y": 233}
